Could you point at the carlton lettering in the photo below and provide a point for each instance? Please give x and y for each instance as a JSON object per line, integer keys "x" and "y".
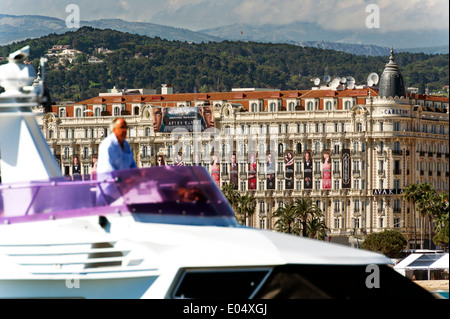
{"x": 394, "y": 112}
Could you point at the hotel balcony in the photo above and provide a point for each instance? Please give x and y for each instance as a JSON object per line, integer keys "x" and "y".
{"x": 397, "y": 172}
{"x": 381, "y": 172}
{"x": 397, "y": 152}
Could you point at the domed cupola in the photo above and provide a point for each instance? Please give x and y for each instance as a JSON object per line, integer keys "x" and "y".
{"x": 391, "y": 80}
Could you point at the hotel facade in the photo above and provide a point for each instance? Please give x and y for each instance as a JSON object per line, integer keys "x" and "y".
{"x": 351, "y": 149}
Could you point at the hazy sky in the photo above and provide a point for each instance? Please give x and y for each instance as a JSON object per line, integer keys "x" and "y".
{"x": 202, "y": 14}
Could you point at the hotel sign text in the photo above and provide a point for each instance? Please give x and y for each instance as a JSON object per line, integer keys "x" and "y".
{"x": 387, "y": 192}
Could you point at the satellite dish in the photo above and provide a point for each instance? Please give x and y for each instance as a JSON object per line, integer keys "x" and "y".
{"x": 327, "y": 78}
{"x": 372, "y": 79}
{"x": 343, "y": 80}
{"x": 317, "y": 81}
{"x": 350, "y": 82}
{"x": 335, "y": 83}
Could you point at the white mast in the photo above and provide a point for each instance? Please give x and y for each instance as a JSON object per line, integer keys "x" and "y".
{"x": 25, "y": 155}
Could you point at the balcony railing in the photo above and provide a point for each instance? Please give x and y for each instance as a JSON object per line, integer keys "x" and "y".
{"x": 397, "y": 171}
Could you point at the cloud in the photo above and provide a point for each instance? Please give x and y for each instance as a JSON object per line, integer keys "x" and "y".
{"x": 201, "y": 14}
{"x": 348, "y": 15}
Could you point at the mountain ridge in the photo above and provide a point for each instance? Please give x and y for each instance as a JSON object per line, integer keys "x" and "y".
{"x": 17, "y": 28}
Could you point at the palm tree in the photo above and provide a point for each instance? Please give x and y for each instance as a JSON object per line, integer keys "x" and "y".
{"x": 317, "y": 228}
{"x": 246, "y": 207}
{"x": 306, "y": 210}
{"x": 411, "y": 194}
{"x": 286, "y": 219}
{"x": 231, "y": 194}
{"x": 424, "y": 205}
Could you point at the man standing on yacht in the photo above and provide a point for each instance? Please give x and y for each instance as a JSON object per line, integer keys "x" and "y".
{"x": 115, "y": 152}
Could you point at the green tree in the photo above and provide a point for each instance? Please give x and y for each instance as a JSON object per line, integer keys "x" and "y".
{"x": 287, "y": 220}
{"x": 425, "y": 204}
{"x": 441, "y": 220}
{"x": 231, "y": 194}
{"x": 306, "y": 211}
{"x": 388, "y": 242}
{"x": 246, "y": 208}
{"x": 411, "y": 194}
{"x": 317, "y": 228}
{"x": 243, "y": 205}
{"x": 302, "y": 218}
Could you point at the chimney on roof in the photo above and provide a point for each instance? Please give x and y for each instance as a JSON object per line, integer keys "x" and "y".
{"x": 167, "y": 89}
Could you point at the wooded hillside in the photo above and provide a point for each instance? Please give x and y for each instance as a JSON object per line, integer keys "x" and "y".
{"x": 143, "y": 62}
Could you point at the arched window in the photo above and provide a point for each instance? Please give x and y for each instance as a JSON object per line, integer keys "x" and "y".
{"x": 117, "y": 111}
{"x": 299, "y": 148}
{"x": 147, "y": 131}
{"x": 78, "y": 112}
{"x": 273, "y": 107}
{"x": 136, "y": 110}
{"x": 310, "y": 106}
{"x": 86, "y": 152}
{"x": 348, "y": 105}
{"x": 254, "y": 107}
{"x": 328, "y": 106}
{"x": 98, "y": 111}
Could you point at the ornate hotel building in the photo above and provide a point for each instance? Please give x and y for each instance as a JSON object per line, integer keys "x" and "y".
{"x": 365, "y": 143}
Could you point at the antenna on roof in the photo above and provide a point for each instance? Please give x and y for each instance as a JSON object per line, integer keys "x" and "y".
{"x": 316, "y": 82}
{"x": 327, "y": 79}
